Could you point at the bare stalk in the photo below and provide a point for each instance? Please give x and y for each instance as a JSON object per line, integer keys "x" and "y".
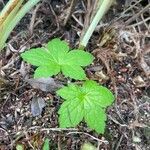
{"x": 103, "y": 8}
{"x": 14, "y": 19}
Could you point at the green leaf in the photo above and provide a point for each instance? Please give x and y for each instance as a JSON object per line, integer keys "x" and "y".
{"x": 46, "y": 145}
{"x": 57, "y": 48}
{"x": 37, "y": 57}
{"x": 95, "y": 119}
{"x": 75, "y": 72}
{"x": 46, "y": 71}
{"x": 55, "y": 58}
{"x": 83, "y": 58}
{"x": 88, "y": 101}
{"x": 71, "y": 113}
{"x": 73, "y": 89}
{"x": 100, "y": 95}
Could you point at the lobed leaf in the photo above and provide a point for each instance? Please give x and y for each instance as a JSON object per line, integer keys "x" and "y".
{"x": 88, "y": 101}
{"x": 56, "y": 57}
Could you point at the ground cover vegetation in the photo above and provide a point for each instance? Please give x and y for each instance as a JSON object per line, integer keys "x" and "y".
{"x": 74, "y": 74}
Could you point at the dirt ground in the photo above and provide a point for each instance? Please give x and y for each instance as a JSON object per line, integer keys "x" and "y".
{"x": 121, "y": 46}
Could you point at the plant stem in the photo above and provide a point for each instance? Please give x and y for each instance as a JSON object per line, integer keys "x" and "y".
{"x": 20, "y": 14}
{"x": 7, "y": 9}
{"x": 105, "y": 5}
{"x": 7, "y": 17}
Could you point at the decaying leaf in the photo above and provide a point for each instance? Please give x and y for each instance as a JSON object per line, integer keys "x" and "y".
{"x": 102, "y": 76}
{"x": 3, "y": 82}
{"x": 139, "y": 82}
{"x": 145, "y": 66}
{"x": 44, "y": 84}
{"x": 37, "y": 106}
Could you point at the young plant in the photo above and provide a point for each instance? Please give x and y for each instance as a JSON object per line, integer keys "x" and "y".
{"x": 56, "y": 57}
{"x": 87, "y": 102}
{"x": 10, "y": 16}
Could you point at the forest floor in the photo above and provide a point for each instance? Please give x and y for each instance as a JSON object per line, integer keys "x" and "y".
{"x": 121, "y": 46}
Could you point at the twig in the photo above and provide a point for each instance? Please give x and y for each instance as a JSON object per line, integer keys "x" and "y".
{"x": 129, "y": 8}
{"x": 54, "y": 14}
{"x": 58, "y": 143}
{"x": 71, "y": 9}
{"x": 34, "y": 14}
{"x": 52, "y": 129}
{"x": 138, "y": 23}
{"x": 77, "y": 20}
{"x": 115, "y": 121}
{"x": 103, "y": 141}
{"x": 136, "y": 15}
{"x": 118, "y": 144}
{"x": 7, "y": 134}
{"x": 144, "y": 21}
{"x": 87, "y": 18}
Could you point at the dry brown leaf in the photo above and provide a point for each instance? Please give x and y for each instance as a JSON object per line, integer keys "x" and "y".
{"x": 37, "y": 106}
{"x": 44, "y": 84}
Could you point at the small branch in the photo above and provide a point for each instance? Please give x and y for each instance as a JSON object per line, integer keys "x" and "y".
{"x": 129, "y": 8}
{"x": 12, "y": 23}
{"x": 94, "y": 138}
{"x": 139, "y": 23}
{"x": 71, "y": 9}
{"x": 136, "y": 15}
{"x": 7, "y": 9}
{"x": 31, "y": 26}
{"x": 120, "y": 140}
{"x": 52, "y": 129}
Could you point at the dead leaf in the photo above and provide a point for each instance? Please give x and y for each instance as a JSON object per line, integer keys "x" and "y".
{"x": 139, "y": 82}
{"x": 36, "y": 141}
{"x": 3, "y": 82}
{"x": 44, "y": 84}
{"x": 37, "y": 106}
{"x": 102, "y": 76}
{"x": 145, "y": 66}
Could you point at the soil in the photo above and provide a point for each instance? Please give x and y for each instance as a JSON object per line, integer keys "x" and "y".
{"x": 121, "y": 63}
